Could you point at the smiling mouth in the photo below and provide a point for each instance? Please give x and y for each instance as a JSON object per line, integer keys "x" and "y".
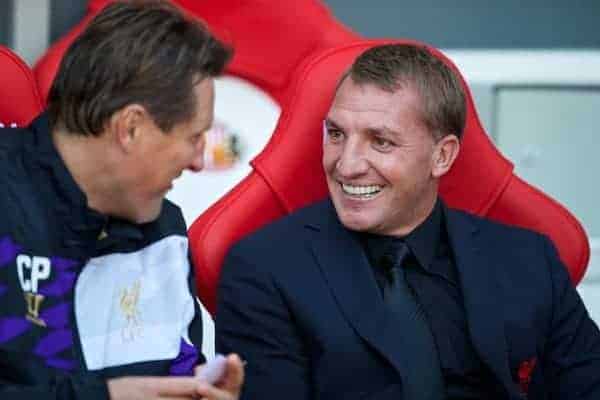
{"x": 363, "y": 192}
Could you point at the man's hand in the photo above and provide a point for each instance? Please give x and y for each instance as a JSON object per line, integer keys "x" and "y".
{"x": 230, "y": 384}
{"x": 180, "y": 388}
{"x": 153, "y": 388}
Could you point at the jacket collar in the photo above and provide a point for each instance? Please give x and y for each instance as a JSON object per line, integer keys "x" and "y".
{"x": 345, "y": 267}
{"x": 477, "y": 270}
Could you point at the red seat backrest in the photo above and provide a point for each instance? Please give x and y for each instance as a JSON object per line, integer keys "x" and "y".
{"x": 19, "y": 98}
{"x": 288, "y": 175}
{"x": 270, "y": 38}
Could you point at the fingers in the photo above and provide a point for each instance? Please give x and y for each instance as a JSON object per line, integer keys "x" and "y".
{"x": 234, "y": 375}
{"x": 144, "y": 388}
{"x": 209, "y": 392}
{"x": 174, "y": 387}
{"x": 228, "y": 388}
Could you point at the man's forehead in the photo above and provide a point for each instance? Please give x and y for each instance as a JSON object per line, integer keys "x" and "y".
{"x": 364, "y": 99}
{"x": 350, "y": 91}
{"x": 205, "y": 93}
{"x": 370, "y": 107}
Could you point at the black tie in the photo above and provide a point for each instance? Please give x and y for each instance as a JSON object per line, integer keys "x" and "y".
{"x": 424, "y": 379}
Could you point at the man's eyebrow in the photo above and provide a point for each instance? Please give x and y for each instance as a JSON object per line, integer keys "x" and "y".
{"x": 331, "y": 124}
{"x": 382, "y": 129}
{"x": 374, "y": 130}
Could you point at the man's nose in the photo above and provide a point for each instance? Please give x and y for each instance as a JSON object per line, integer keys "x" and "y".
{"x": 197, "y": 163}
{"x": 352, "y": 161}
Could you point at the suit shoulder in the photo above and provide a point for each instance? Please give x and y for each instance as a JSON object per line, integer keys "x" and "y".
{"x": 282, "y": 232}
{"x": 520, "y": 256}
{"x": 497, "y": 228}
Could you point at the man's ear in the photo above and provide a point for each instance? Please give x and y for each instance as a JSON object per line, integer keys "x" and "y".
{"x": 127, "y": 124}
{"x": 444, "y": 153}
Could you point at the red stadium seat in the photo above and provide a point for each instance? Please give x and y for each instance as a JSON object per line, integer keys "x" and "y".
{"x": 288, "y": 175}
{"x": 19, "y": 98}
{"x": 270, "y": 38}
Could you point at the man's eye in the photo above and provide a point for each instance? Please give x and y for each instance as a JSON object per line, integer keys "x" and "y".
{"x": 197, "y": 138}
{"x": 334, "y": 134}
{"x": 382, "y": 144}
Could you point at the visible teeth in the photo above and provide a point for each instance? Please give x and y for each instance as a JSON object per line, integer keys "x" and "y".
{"x": 369, "y": 190}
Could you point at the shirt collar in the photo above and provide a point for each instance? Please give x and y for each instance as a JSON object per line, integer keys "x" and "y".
{"x": 423, "y": 241}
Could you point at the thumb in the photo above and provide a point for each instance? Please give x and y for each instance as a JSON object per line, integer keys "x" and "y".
{"x": 234, "y": 375}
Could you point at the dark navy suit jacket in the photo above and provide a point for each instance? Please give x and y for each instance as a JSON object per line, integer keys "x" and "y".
{"x": 298, "y": 300}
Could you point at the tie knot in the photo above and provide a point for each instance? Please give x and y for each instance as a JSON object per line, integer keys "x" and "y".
{"x": 395, "y": 255}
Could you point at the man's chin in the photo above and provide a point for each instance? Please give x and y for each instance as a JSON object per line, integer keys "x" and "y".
{"x": 354, "y": 221}
{"x": 146, "y": 216}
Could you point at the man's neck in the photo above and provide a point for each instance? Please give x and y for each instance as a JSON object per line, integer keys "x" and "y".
{"x": 418, "y": 216}
{"x": 88, "y": 160}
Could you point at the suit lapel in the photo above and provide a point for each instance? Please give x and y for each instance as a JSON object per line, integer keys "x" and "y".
{"x": 348, "y": 273}
{"x": 480, "y": 292}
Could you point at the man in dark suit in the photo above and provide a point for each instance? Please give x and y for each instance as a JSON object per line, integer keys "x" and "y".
{"x": 381, "y": 291}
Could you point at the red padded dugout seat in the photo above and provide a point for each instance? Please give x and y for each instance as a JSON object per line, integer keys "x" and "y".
{"x": 288, "y": 175}
{"x": 270, "y": 38}
{"x": 19, "y": 98}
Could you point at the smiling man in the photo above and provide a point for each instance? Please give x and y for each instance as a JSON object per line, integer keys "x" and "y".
{"x": 97, "y": 299}
{"x": 383, "y": 292}
{"x": 381, "y": 159}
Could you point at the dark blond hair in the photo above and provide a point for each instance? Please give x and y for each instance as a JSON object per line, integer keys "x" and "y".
{"x": 392, "y": 67}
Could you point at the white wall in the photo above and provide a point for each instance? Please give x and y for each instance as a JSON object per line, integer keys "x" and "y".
{"x": 30, "y": 28}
